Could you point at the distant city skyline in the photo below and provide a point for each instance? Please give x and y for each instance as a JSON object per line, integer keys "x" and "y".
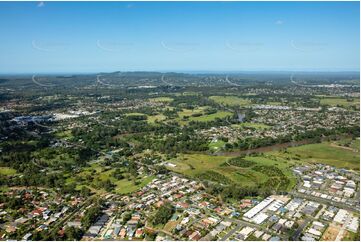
{"x": 89, "y": 37}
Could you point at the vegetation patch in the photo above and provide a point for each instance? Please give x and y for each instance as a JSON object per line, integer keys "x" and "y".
{"x": 230, "y": 100}
{"x": 237, "y": 170}
{"x": 156, "y": 118}
{"x": 336, "y": 101}
{"x": 328, "y": 154}
{"x": 214, "y": 176}
{"x": 162, "y": 99}
{"x": 211, "y": 117}
{"x": 7, "y": 171}
{"x": 240, "y": 162}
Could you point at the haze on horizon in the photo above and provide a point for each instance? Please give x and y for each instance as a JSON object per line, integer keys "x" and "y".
{"x": 74, "y": 37}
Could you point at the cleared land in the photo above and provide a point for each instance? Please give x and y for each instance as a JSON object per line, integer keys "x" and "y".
{"x": 326, "y": 153}
{"x": 230, "y": 100}
{"x": 7, "y": 171}
{"x": 161, "y": 99}
{"x": 98, "y": 173}
{"x": 210, "y": 117}
{"x": 154, "y": 118}
{"x": 216, "y": 145}
{"x": 336, "y": 101}
{"x": 198, "y": 114}
{"x": 219, "y": 169}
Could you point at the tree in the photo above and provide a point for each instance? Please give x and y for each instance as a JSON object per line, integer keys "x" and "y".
{"x": 164, "y": 213}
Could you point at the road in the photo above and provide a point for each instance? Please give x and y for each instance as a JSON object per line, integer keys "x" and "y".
{"x": 298, "y": 232}
{"x": 65, "y": 219}
{"x": 326, "y": 201}
{"x": 245, "y": 223}
{"x": 231, "y": 83}
{"x": 229, "y": 234}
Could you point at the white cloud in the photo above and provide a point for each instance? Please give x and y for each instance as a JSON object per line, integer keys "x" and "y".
{"x": 40, "y": 4}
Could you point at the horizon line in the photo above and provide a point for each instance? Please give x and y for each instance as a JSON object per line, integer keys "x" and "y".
{"x": 184, "y": 71}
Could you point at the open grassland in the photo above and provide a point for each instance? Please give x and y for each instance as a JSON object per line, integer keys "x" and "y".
{"x": 198, "y": 114}
{"x": 336, "y": 101}
{"x": 161, "y": 99}
{"x": 134, "y": 114}
{"x": 153, "y": 118}
{"x": 190, "y": 112}
{"x": 326, "y": 153}
{"x": 7, "y": 171}
{"x": 124, "y": 186}
{"x": 230, "y": 100}
{"x": 64, "y": 134}
{"x": 210, "y": 117}
{"x": 53, "y": 157}
{"x": 348, "y": 144}
{"x": 260, "y": 170}
{"x": 91, "y": 175}
{"x": 216, "y": 145}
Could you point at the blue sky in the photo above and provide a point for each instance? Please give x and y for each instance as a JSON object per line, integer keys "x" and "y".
{"x": 178, "y": 36}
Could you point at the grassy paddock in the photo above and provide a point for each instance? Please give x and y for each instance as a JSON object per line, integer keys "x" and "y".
{"x": 7, "y": 171}
{"x": 336, "y": 101}
{"x": 217, "y": 168}
{"x": 230, "y": 100}
{"x": 327, "y": 153}
{"x": 161, "y": 99}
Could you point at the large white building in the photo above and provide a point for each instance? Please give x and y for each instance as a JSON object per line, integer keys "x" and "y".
{"x": 259, "y": 207}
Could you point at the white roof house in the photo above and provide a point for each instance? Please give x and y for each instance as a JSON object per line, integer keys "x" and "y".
{"x": 259, "y": 218}
{"x": 259, "y": 207}
{"x": 341, "y": 216}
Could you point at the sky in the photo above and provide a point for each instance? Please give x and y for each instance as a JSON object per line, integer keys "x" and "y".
{"x": 78, "y": 37}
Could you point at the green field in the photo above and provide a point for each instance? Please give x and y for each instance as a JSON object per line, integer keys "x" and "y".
{"x": 211, "y": 117}
{"x": 336, "y": 101}
{"x": 351, "y": 144}
{"x": 64, "y": 134}
{"x": 153, "y": 118}
{"x": 216, "y": 145}
{"x": 124, "y": 186}
{"x": 186, "y": 115}
{"x": 328, "y": 153}
{"x": 99, "y": 173}
{"x": 161, "y": 99}
{"x": 216, "y": 168}
{"x": 230, "y": 100}
{"x": 190, "y": 112}
{"x": 134, "y": 114}
{"x": 7, "y": 171}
